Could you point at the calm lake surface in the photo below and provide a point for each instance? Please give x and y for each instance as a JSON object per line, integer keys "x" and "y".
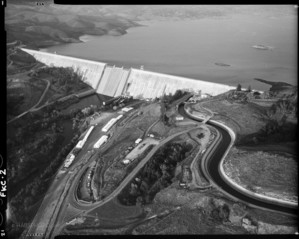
{"x": 190, "y": 48}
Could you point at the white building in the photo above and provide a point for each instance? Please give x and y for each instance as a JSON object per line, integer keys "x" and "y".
{"x": 127, "y": 109}
{"x": 119, "y": 117}
{"x": 70, "y": 158}
{"x": 126, "y": 161}
{"x": 109, "y": 125}
{"x": 88, "y": 133}
{"x": 100, "y": 142}
{"x": 138, "y": 141}
{"x": 179, "y": 118}
{"x": 80, "y": 144}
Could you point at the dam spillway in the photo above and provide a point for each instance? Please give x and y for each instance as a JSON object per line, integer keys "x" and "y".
{"x": 114, "y": 81}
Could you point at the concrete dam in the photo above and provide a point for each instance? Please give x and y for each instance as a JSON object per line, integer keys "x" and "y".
{"x": 114, "y": 81}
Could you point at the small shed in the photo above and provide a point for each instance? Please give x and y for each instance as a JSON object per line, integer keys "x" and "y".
{"x": 126, "y": 161}
{"x": 179, "y": 118}
{"x": 138, "y": 141}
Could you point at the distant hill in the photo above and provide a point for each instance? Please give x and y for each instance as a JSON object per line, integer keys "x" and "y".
{"x": 42, "y": 26}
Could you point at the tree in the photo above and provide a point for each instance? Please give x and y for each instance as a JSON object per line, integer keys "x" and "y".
{"x": 256, "y": 93}
{"x": 165, "y": 119}
{"x": 249, "y": 88}
{"x": 139, "y": 201}
{"x": 144, "y": 186}
{"x": 224, "y": 212}
{"x": 215, "y": 214}
{"x": 239, "y": 87}
{"x": 162, "y": 109}
{"x": 27, "y": 203}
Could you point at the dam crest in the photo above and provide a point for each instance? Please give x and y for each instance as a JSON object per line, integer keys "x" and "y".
{"x": 114, "y": 81}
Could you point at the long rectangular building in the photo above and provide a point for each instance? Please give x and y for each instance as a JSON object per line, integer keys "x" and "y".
{"x": 109, "y": 124}
{"x": 100, "y": 142}
{"x": 126, "y": 109}
{"x": 80, "y": 144}
{"x": 88, "y": 133}
{"x": 119, "y": 117}
{"x": 70, "y": 158}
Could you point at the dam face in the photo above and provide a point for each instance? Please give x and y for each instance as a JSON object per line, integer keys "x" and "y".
{"x": 91, "y": 71}
{"x": 151, "y": 84}
{"x": 115, "y": 81}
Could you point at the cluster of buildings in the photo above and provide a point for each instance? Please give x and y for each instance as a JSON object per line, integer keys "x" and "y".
{"x": 198, "y": 96}
{"x": 71, "y": 156}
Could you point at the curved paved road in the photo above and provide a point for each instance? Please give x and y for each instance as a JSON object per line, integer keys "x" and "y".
{"x": 212, "y": 167}
{"x": 33, "y": 107}
{"x": 90, "y": 207}
{"x": 85, "y": 207}
{"x": 65, "y": 194}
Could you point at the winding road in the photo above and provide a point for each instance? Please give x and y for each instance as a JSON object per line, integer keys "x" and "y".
{"x": 218, "y": 180}
{"x": 33, "y": 107}
{"x": 60, "y": 205}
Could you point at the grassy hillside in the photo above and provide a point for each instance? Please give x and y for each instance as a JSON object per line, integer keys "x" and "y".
{"x": 261, "y": 172}
{"x": 50, "y": 24}
{"x": 41, "y": 26}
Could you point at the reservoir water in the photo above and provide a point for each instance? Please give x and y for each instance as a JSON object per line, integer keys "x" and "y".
{"x": 191, "y": 48}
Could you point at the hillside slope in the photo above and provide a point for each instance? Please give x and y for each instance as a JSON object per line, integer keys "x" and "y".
{"x": 42, "y": 26}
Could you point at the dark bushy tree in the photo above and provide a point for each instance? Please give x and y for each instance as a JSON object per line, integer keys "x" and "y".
{"x": 239, "y": 87}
